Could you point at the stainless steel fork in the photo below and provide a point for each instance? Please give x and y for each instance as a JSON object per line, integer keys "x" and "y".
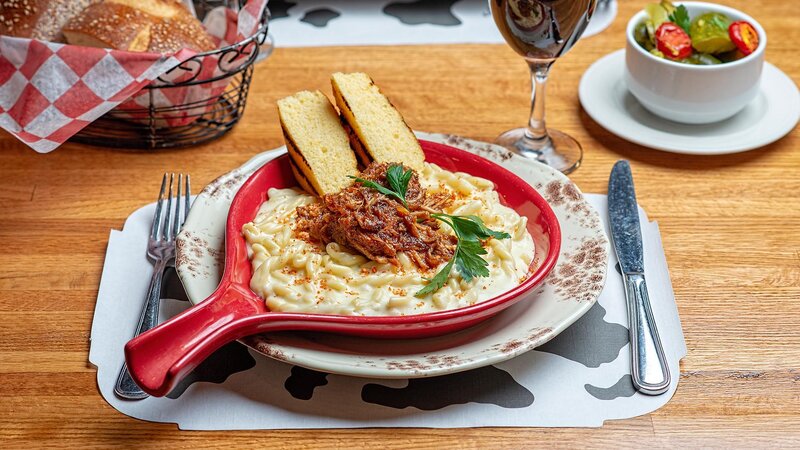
{"x": 161, "y": 251}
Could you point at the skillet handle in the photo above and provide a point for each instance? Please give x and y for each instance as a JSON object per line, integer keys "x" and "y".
{"x": 158, "y": 359}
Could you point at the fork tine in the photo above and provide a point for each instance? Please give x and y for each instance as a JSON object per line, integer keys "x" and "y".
{"x": 176, "y": 221}
{"x": 188, "y": 201}
{"x": 157, "y": 215}
{"x": 166, "y": 234}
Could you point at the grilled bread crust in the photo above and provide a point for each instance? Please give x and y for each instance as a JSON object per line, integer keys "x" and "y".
{"x": 376, "y": 129}
{"x": 317, "y": 144}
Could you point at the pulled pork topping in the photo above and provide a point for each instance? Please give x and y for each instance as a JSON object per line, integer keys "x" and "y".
{"x": 378, "y": 226}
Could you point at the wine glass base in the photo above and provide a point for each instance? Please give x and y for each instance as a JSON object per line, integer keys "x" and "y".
{"x": 560, "y": 151}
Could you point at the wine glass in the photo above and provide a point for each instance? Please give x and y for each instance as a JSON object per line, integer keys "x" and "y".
{"x": 541, "y": 31}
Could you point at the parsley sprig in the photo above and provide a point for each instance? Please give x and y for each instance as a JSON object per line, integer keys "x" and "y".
{"x": 398, "y": 182}
{"x": 680, "y": 16}
{"x": 470, "y": 232}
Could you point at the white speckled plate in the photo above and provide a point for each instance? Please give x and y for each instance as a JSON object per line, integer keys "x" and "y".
{"x": 570, "y": 290}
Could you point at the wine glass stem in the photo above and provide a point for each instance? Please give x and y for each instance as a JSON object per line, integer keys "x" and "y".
{"x": 536, "y": 132}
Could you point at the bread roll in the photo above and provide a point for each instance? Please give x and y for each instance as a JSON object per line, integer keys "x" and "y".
{"x": 38, "y": 19}
{"x": 160, "y": 26}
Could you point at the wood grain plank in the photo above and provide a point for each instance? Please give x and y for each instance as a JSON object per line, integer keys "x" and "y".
{"x": 730, "y": 227}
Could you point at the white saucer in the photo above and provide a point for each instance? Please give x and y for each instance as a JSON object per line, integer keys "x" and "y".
{"x": 772, "y": 115}
{"x": 602, "y": 18}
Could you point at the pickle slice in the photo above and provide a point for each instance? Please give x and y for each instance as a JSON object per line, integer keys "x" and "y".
{"x": 657, "y": 14}
{"x": 709, "y": 33}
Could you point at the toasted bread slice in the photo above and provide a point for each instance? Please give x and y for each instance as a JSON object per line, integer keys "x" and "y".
{"x": 318, "y": 146}
{"x": 376, "y": 129}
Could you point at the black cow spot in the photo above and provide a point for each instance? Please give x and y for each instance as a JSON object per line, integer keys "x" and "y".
{"x": 302, "y": 382}
{"x": 320, "y": 17}
{"x": 488, "y": 385}
{"x": 623, "y": 388}
{"x": 590, "y": 341}
{"x": 226, "y": 361}
{"x": 618, "y": 269}
{"x": 434, "y": 12}
{"x": 279, "y": 9}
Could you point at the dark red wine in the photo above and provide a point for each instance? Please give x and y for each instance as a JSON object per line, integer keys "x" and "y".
{"x": 542, "y": 29}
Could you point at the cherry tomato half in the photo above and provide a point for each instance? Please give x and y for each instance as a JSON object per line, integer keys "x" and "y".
{"x": 672, "y": 41}
{"x": 744, "y": 36}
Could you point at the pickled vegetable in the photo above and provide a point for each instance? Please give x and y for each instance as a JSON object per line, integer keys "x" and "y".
{"x": 668, "y": 6}
{"x": 642, "y": 37}
{"x": 743, "y": 36}
{"x": 657, "y": 14}
{"x": 702, "y": 59}
{"x": 673, "y": 42}
{"x": 651, "y": 31}
{"x": 708, "y": 39}
{"x": 730, "y": 56}
{"x": 709, "y": 33}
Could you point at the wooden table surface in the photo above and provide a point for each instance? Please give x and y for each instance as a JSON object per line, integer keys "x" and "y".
{"x": 730, "y": 226}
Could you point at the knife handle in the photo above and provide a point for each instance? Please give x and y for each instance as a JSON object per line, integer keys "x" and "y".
{"x": 649, "y": 366}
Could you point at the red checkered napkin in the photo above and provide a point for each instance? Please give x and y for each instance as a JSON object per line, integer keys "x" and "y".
{"x": 50, "y": 91}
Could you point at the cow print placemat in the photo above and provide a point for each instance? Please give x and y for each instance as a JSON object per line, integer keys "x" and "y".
{"x": 307, "y": 23}
{"x": 580, "y": 378}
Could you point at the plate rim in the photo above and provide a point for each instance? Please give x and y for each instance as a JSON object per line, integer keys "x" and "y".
{"x": 766, "y": 89}
{"x": 311, "y": 359}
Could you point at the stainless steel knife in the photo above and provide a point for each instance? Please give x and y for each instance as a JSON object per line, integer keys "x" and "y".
{"x": 649, "y": 368}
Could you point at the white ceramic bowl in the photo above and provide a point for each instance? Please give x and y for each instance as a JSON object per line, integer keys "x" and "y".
{"x": 693, "y": 94}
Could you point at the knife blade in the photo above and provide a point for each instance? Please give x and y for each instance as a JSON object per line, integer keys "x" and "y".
{"x": 649, "y": 369}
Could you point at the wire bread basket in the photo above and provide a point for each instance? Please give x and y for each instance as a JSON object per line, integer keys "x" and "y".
{"x": 198, "y": 100}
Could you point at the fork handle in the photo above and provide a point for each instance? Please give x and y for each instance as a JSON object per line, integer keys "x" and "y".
{"x": 125, "y": 387}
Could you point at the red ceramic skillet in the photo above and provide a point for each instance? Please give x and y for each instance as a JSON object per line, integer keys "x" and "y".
{"x": 161, "y": 357}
